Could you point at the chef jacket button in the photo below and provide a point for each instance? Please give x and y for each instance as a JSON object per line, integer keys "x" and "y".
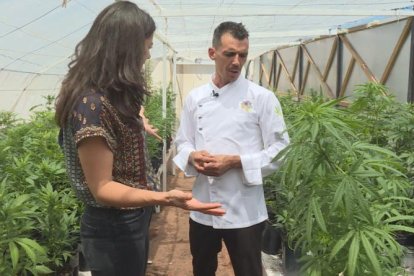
{"x": 200, "y": 105}
{"x": 200, "y": 128}
{"x": 200, "y": 117}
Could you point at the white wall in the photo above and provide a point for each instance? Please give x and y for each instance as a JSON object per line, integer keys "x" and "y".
{"x": 189, "y": 76}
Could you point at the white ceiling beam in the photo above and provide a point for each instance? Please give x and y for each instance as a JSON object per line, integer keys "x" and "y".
{"x": 252, "y": 47}
{"x": 156, "y": 5}
{"x": 254, "y": 51}
{"x": 161, "y": 37}
{"x": 258, "y": 49}
{"x": 259, "y": 35}
{"x": 273, "y": 11}
{"x": 293, "y": 33}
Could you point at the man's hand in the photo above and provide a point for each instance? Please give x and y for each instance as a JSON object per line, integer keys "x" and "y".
{"x": 186, "y": 201}
{"x": 198, "y": 158}
{"x": 214, "y": 165}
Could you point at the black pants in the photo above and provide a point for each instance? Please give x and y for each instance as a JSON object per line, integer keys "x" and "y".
{"x": 115, "y": 242}
{"x": 243, "y": 245}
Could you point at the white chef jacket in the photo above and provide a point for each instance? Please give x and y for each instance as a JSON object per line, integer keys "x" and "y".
{"x": 241, "y": 118}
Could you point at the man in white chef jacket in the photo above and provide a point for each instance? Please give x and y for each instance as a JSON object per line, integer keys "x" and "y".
{"x": 230, "y": 131}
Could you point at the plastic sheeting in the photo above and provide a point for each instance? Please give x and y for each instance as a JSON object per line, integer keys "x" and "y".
{"x": 38, "y": 37}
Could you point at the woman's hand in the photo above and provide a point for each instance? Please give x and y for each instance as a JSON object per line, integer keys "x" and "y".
{"x": 186, "y": 201}
{"x": 151, "y": 130}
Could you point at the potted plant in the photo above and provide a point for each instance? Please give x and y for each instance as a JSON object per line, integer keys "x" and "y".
{"x": 273, "y": 230}
{"x": 343, "y": 199}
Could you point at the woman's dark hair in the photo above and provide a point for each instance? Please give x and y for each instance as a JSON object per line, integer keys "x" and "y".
{"x": 110, "y": 59}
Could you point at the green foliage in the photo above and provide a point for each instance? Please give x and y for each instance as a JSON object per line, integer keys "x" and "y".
{"x": 57, "y": 223}
{"x": 166, "y": 126}
{"x": 39, "y": 214}
{"x": 375, "y": 109}
{"x": 7, "y": 118}
{"x": 17, "y": 221}
{"x": 341, "y": 198}
{"x": 385, "y": 122}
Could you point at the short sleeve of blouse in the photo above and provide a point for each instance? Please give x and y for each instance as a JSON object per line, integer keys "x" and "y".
{"x": 89, "y": 121}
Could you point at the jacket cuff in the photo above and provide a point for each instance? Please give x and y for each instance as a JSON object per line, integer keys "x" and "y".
{"x": 251, "y": 166}
{"x": 181, "y": 160}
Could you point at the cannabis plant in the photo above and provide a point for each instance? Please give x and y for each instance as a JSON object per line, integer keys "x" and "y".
{"x": 385, "y": 122}
{"x": 57, "y": 224}
{"x": 20, "y": 254}
{"x": 343, "y": 199}
{"x": 166, "y": 126}
{"x": 39, "y": 214}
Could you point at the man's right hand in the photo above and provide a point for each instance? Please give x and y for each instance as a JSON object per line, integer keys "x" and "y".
{"x": 213, "y": 165}
{"x": 198, "y": 158}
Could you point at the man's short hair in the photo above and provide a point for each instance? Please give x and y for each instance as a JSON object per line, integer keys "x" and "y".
{"x": 237, "y": 30}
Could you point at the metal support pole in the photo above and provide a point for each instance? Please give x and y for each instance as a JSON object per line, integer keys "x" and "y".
{"x": 410, "y": 92}
{"x": 174, "y": 83}
{"x": 164, "y": 115}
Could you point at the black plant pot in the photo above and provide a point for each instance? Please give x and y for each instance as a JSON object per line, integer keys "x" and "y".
{"x": 407, "y": 241}
{"x": 290, "y": 258}
{"x": 271, "y": 239}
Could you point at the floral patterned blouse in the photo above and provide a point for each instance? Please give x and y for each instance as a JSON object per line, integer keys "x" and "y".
{"x": 94, "y": 116}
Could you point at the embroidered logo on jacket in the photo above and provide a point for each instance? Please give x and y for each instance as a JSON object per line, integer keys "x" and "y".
{"x": 246, "y": 105}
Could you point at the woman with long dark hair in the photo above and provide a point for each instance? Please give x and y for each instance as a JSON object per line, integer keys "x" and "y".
{"x": 102, "y": 139}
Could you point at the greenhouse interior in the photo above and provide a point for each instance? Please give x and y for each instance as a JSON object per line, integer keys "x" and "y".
{"x": 342, "y": 199}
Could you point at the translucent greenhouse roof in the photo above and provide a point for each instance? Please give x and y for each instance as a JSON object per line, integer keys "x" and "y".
{"x": 39, "y": 36}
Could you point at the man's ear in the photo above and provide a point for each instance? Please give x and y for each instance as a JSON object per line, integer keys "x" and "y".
{"x": 212, "y": 53}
